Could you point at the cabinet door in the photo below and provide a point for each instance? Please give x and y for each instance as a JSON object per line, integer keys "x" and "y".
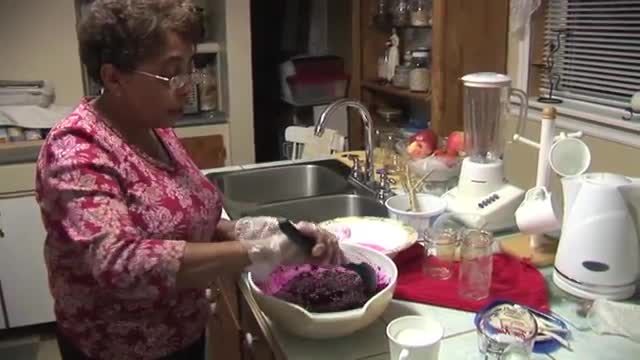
{"x": 224, "y": 336}
{"x": 3, "y": 323}
{"x": 22, "y": 269}
{"x": 206, "y": 151}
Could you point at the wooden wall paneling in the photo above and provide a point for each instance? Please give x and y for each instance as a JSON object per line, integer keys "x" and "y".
{"x": 206, "y": 151}
{"x": 468, "y": 36}
{"x": 537, "y": 47}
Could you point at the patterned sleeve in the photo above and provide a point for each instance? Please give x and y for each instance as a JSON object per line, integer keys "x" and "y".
{"x": 82, "y": 196}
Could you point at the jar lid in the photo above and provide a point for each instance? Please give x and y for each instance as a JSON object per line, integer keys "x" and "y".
{"x": 486, "y": 79}
{"x": 388, "y": 112}
{"x": 420, "y": 53}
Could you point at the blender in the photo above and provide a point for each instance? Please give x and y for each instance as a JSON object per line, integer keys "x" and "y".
{"x": 482, "y": 188}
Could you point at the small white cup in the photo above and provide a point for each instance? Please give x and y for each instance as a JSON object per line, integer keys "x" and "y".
{"x": 414, "y": 338}
{"x": 537, "y": 214}
{"x": 569, "y": 157}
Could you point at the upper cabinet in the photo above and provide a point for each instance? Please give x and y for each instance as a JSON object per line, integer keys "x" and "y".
{"x": 458, "y": 36}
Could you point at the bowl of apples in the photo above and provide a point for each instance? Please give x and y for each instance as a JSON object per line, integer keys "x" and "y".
{"x": 441, "y": 158}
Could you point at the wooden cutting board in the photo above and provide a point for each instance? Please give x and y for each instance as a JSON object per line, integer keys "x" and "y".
{"x": 518, "y": 245}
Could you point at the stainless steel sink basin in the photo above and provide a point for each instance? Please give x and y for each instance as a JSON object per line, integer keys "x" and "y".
{"x": 267, "y": 185}
{"x": 322, "y": 208}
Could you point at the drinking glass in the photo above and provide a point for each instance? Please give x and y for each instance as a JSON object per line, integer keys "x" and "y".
{"x": 476, "y": 264}
{"x": 440, "y": 251}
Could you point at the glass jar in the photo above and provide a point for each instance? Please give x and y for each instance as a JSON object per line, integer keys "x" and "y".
{"x": 419, "y": 76}
{"x": 208, "y": 88}
{"x": 400, "y": 14}
{"x": 420, "y": 13}
{"x": 401, "y": 76}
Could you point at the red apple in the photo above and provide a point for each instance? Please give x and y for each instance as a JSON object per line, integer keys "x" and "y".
{"x": 447, "y": 158}
{"x": 428, "y": 136}
{"x": 419, "y": 150}
{"x": 455, "y": 143}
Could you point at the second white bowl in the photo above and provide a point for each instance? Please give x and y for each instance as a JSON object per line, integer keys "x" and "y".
{"x": 430, "y": 208}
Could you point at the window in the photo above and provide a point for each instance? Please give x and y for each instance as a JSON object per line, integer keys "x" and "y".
{"x": 596, "y": 65}
{"x": 598, "y": 57}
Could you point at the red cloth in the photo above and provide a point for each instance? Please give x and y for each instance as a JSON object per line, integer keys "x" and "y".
{"x": 512, "y": 279}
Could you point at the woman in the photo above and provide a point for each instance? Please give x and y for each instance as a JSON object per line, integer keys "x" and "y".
{"x": 134, "y": 229}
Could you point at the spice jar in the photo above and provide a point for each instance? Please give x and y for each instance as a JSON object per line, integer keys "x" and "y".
{"x": 401, "y": 77}
{"x": 419, "y": 75}
{"x": 420, "y": 13}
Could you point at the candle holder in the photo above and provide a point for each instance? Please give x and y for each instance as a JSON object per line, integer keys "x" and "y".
{"x": 548, "y": 67}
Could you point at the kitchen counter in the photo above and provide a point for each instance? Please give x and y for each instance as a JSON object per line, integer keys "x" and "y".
{"x": 460, "y": 340}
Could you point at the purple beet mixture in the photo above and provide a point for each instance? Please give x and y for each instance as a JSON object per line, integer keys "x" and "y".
{"x": 320, "y": 289}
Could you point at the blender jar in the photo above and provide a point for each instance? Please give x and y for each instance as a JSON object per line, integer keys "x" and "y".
{"x": 486, "y": 105}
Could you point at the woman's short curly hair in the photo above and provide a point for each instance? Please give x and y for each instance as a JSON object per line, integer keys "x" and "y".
{"x": 126, "y": 32}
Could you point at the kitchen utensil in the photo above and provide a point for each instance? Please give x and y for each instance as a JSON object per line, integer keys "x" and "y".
{"x": 382, "y": 234}
{"x": 503, "y": 325}
{"x": 599, "y": 252}
{"x": 298, "y": 321}
{"x": 414, "y": 337}
{"x": 544, "y": 343}
{"x": 482, "y": 187}
{"x": 430, "y": 207}
{"x": 476, "y": 264}
{"x": 364, "y": 270}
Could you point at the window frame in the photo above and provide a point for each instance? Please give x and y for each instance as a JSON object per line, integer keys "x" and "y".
{"x": 594, "y": 120}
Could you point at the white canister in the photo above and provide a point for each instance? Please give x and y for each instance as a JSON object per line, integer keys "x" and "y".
{"x": 414, "y": 338}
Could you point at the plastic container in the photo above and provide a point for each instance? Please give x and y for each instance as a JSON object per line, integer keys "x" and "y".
{"x": 314, "y": 89}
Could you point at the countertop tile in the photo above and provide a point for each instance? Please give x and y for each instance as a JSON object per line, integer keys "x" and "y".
{"x": 366, "y": 342}
{"x": 453, "y": 321}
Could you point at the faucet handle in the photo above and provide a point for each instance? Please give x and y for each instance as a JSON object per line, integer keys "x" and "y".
{"x": 356, "y": 166}
{"x": 384, "y": 187}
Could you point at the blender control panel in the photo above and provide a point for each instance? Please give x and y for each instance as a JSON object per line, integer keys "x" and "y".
{"x": 488, "y": 201}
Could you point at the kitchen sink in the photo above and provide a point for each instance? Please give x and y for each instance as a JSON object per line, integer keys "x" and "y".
{"x": 266, "y": 185}
{"x": 313, "y": 191}
{"x": 321, "y": 208}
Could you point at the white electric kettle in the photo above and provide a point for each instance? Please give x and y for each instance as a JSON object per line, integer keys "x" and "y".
{"x": 599, "y": 250}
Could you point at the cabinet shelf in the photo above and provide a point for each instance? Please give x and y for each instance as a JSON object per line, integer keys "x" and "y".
{"x": 394, "y": 91}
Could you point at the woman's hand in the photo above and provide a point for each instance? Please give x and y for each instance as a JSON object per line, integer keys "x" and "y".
{"x": 268, "y": 247}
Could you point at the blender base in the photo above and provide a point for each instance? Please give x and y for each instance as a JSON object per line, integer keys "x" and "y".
{"x": 499, "y": 213}
{"x": 483, "y": 191}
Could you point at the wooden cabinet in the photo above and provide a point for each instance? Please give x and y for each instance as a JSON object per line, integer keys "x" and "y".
{"x": 23, "y": 274}
{"x": 206, "y": 151}
{"x": 255, "y": 346}
{"x": 224, "y": 335}
{"x": 465, "y": 36}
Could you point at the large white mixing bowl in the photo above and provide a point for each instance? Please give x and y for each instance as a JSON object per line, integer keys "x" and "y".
{"x": 303, "y": 323}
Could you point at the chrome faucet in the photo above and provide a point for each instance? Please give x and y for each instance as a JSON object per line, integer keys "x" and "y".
{"x": 367, "y": 120}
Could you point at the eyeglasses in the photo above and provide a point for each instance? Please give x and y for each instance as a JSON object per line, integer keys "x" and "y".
{"x": 176, "y": 82}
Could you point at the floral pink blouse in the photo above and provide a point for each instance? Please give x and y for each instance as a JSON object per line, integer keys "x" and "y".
{"x": 117, "y": 222}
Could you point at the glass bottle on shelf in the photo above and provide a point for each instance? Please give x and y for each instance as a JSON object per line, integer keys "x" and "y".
{"x": 400, "y": 14}
{"x": 208, "y": 84}
{"x": 420, "y": 13}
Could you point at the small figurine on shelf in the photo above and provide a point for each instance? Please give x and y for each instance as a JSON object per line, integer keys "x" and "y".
{"x": 393, "y": 55}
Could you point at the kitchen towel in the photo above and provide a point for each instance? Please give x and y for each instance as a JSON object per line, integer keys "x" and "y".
{"x": 513, "y": 279}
